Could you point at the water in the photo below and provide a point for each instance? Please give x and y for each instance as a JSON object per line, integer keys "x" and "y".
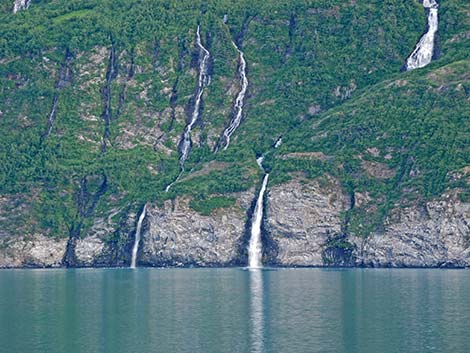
{"x": 259, "y": 161}
{"x": 234, "y": 310}
{"x": 203, "y": 81}
{"x": 423, "y": 53}
{"x": 135, "y": 248}
{"x": 235, "y": 122}
{"x": 19, "y": 5}
{"x": 255, "y": 248}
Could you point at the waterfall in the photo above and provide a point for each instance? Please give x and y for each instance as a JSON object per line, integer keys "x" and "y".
{"x": 259, "y": 161}
{"x": 254, "y": 248}
{"x": 50, "y": 120}
{"x": 278, "y": 142}
{"x": 135, "y": 249}
{"x": 203, "y": 81}
{"x": 21, "y": 5}
{"x": 423, "y": 53}
{"x": 168, "y": 187}
{"x": 235, "y": 122}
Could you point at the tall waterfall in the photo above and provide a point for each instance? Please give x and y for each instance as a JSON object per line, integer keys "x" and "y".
{"x": 254, "y": 248}
{"x": 203, "y": 81}
{"x": 21, "y": 5}
{"x": 135, "y": 249}
{"x": 235, "y": 122}
{"x": 423, "y": 53}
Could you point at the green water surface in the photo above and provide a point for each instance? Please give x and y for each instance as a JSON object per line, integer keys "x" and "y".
{"x": 234, "y": 310}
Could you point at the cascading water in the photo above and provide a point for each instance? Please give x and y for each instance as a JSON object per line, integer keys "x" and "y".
{"x": 423, "y": 53}
{"x": 255, "y": 248}
{"x": 135, "y": 249}
{"x": 259, "y": 161}
{"x": 235, "y": 122}
{"x": 21, "y": 5}
{"x": 50, "y": 120}
{"x": 203, "y": 81}
{"x": 168, "y": 187}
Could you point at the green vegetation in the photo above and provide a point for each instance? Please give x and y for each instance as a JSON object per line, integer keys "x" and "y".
{"x": 206, "y": 206}
{"x": 324, "y": 74}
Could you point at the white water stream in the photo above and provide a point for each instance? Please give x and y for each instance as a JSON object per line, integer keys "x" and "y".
{"x": 135, "y": 249}
{"x": 21, "y": 5}
{"x": 255, "y": 248}
{"x": 236, "y": 120}
{"x": 424, "y": 50}
{"x": 203, "y": 81}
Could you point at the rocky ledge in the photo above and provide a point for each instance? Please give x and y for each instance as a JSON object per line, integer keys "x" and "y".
{"x": 303, "y": 226}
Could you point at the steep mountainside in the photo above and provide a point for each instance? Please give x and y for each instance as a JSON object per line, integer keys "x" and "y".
{"x": 107, "y": 106}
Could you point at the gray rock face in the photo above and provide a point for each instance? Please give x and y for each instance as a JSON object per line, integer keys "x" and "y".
{"x": 176, "y": 235}
{"x": 436, "y": 235}
{"x": 301, "y": 217}
{"x": 88, "y": 249}
{"x": 304, "y": 219}
{"x": 31, "y": 251}
{"x": 303, "y": 226}
{"x": 96, "y": 249}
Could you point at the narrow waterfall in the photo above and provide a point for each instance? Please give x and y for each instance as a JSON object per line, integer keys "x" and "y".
{"x": 235, "y": 122}
{"x": 255, "y": 248}
{"x": 423, "y": 53}
{"x": 135, "y": 249}
{"x": 259, "y": 161}
{"x": 168, "y": 187}
{"x": 21, "y": 5}
{"x": 50, "y": 120}
{"x": 278, "y": 142}
{"x": 203, "y": 81}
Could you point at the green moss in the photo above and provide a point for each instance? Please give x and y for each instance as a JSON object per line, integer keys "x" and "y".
{"x": 206, "y": 206}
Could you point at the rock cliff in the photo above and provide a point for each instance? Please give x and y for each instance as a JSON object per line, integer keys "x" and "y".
{"x": 303, "y": 226}
{"x": 176, "y": 235}
{"x": 301, "y": 217}
{"x": 436, "y": 234}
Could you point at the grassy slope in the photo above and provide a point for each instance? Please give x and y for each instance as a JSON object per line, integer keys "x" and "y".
{"x": 343, "y": 58}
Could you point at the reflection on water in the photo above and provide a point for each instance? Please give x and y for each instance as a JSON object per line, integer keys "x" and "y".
{"x": 234, "y": 310}
{"x": 256, "y": 310}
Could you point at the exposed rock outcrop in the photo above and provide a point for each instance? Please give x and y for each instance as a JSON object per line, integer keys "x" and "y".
{"x": 304, "y": 219}
{"x": 302, "y": 216}
{"x": 436, "y": 234}
{"x": 303, "y": 226}
{"x": 176, "y": 235}
{"x": 31, "y": 251}
{"x": 108, "y": 242}
{"x": 88, "y": 249}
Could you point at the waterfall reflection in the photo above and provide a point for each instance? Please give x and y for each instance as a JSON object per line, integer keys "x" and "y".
{"x": 256, "y": 310}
